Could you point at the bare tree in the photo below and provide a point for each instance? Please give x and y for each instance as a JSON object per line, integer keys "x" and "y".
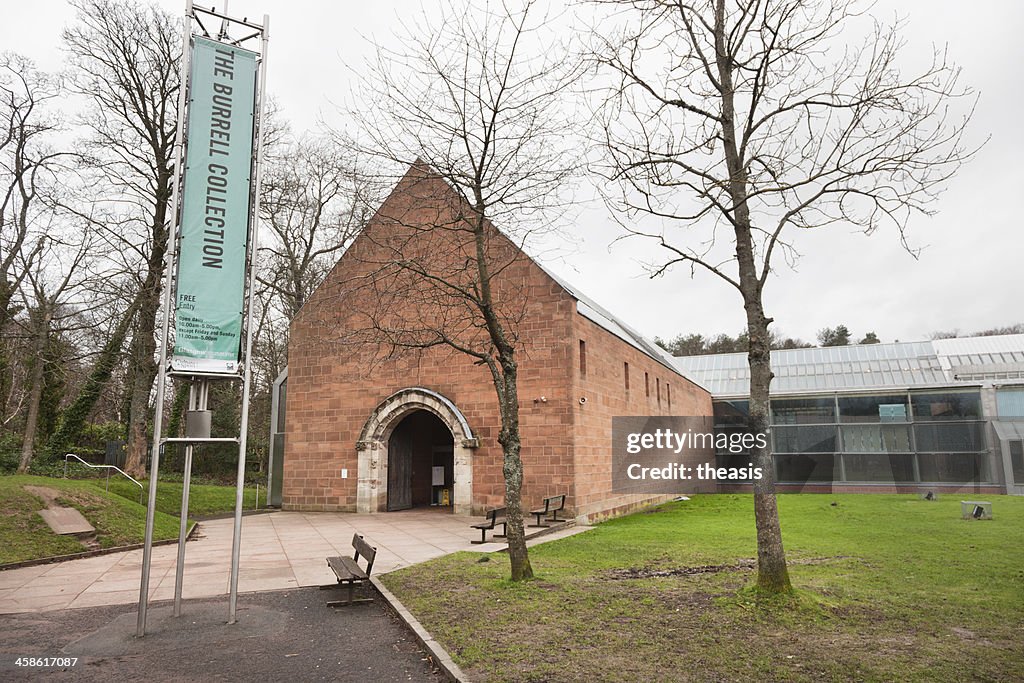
{"x": 125, "y": 62}
{"x": 756, "y": 120}
{"x": 54, "y": 279}
{"x": 314, "y": 202}
{"x": 476, "y": 99}
{"x": 27, "y": 164}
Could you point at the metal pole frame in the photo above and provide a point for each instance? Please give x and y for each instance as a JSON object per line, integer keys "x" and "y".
{"x": 236, "y": 543}
{"x": 198, "y": 397}
{"x": 161, "y": 384}
{"x": 170, "y": 286}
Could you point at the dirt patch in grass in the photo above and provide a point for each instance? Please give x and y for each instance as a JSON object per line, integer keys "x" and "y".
{"x": 744, "y": 564}
{"x": 49, "y": 496}
{"x": 646, "y": 573}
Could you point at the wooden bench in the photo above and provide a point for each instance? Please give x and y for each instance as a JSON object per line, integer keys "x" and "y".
{"x": 493, "y": 518}
{"x": 552, "y": 506}
{"x": 349, "y": 572}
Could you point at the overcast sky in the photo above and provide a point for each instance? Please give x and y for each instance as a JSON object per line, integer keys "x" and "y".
{"x": 968, "y": 276}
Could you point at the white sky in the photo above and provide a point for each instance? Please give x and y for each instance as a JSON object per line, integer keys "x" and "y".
{"x": 969, "y": 275}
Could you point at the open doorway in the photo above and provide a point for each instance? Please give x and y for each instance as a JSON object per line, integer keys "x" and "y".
{"x": 420, "y": 463}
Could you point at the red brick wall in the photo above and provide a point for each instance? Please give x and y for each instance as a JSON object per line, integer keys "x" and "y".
{"x": 604, "y": 387}
{"x": 335, "y": 382}
{"x": 338, "y": 374}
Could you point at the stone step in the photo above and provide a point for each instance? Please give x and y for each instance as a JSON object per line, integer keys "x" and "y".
{"x": 67, "y": 521}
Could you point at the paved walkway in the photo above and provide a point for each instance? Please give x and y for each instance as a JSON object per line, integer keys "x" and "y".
{"x": 279, "y": 550}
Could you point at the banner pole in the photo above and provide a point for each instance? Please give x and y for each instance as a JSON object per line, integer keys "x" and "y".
{"x": 196, "y": 401}
{"x": 161, "y": 384}
{"x": 236, "y": 542}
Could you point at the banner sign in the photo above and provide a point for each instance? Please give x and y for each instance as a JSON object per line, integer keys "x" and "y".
{"x": 215, "y": 209}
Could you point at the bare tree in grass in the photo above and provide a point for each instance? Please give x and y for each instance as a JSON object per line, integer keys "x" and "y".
{"x": 476, "y": 97}
{"x": 732, "y": 125}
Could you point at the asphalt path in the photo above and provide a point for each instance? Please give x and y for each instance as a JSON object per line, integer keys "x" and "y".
{"x": 290, "y": 636}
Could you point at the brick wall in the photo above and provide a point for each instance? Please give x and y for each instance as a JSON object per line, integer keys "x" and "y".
{"x": 653, "y": 389}
{"x": 336, "y": 378}
{"x": 340, "y": 371}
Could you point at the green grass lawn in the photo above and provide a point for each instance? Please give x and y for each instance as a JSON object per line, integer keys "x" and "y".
{"x": 203, "y": 499}
{"x": 888, "y": 588}
{"x": 25, "y": 536}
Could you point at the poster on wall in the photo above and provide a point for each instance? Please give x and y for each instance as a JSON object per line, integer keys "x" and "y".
{"x": 215, "y": 208}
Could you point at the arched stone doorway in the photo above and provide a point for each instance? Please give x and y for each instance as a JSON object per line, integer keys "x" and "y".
{"x": 421, "y": 460}
{"x": 375, "y": 443}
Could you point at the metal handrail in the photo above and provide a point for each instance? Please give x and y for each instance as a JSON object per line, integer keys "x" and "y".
{"x": 142, "y": 488}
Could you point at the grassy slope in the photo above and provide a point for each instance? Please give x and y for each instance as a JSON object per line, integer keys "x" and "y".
{"x": 25, "y": 536}
{"x": 890, "y": 588}
{"x": 203, "y": 499}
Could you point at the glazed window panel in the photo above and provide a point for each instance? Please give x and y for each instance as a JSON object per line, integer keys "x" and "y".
{"x": 879, "y": 467}
{"x": 1010, "y": 402}
{"x": 1017, "y": 461}
{"x": 890, "y": 408}
{"x": 731, "y": 412}
{"x": 805, "y": 439}
{"x": 961, "y": 405}
{"x": 961, "y": 437}
{"x": 950, "y": 467}
{"x": 880, "y": 438}
{"x": 803, "y": 410}
{"x": 802, "y": 469}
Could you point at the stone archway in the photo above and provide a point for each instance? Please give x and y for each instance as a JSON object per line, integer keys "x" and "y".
{"x": 372, "y": 448}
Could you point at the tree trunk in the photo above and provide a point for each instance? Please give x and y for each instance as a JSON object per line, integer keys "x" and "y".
{"x": 512, "y": 468}
{"x": 772, "y": 574}
{"x": 36, "y": 393}
{"x": 143, "y": 348}
{"x": 141, "y": 353}
{"x": 506, "y": 383}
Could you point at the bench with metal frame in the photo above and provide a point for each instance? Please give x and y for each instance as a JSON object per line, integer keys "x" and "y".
{"x": 552, "y": 506}
{"x": 493, "y": 518}
{"x": 349, "y": 572}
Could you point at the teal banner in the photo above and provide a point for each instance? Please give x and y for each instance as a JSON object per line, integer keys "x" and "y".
{"x": 215, "y": 209}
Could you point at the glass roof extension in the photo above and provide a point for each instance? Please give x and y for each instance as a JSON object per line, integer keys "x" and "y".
{"x": 866, "y": 367}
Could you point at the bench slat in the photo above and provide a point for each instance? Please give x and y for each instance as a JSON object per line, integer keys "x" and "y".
{"x": 346, "y": 569}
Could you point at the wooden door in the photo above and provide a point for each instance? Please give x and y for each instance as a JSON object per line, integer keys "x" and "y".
{"x": 400, "y": 470}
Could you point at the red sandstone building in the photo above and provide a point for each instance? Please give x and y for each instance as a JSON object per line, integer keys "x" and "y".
{"x": 373, "y": 424}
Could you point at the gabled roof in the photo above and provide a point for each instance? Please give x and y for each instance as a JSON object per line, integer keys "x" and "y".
{"x": 585, "y": 306}
{"x": 600, "y": 316}
{"x": 900, "y": 365}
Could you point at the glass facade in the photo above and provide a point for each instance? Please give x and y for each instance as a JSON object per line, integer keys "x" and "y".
{"x": 902, "y": 438}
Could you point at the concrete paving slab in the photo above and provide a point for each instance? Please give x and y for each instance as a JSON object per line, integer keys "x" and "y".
{"x": 280, "y": 550}
{"x": 66, "y": 521}
{"x": 84, "y": 565}
{"x": 13, "y": 578}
